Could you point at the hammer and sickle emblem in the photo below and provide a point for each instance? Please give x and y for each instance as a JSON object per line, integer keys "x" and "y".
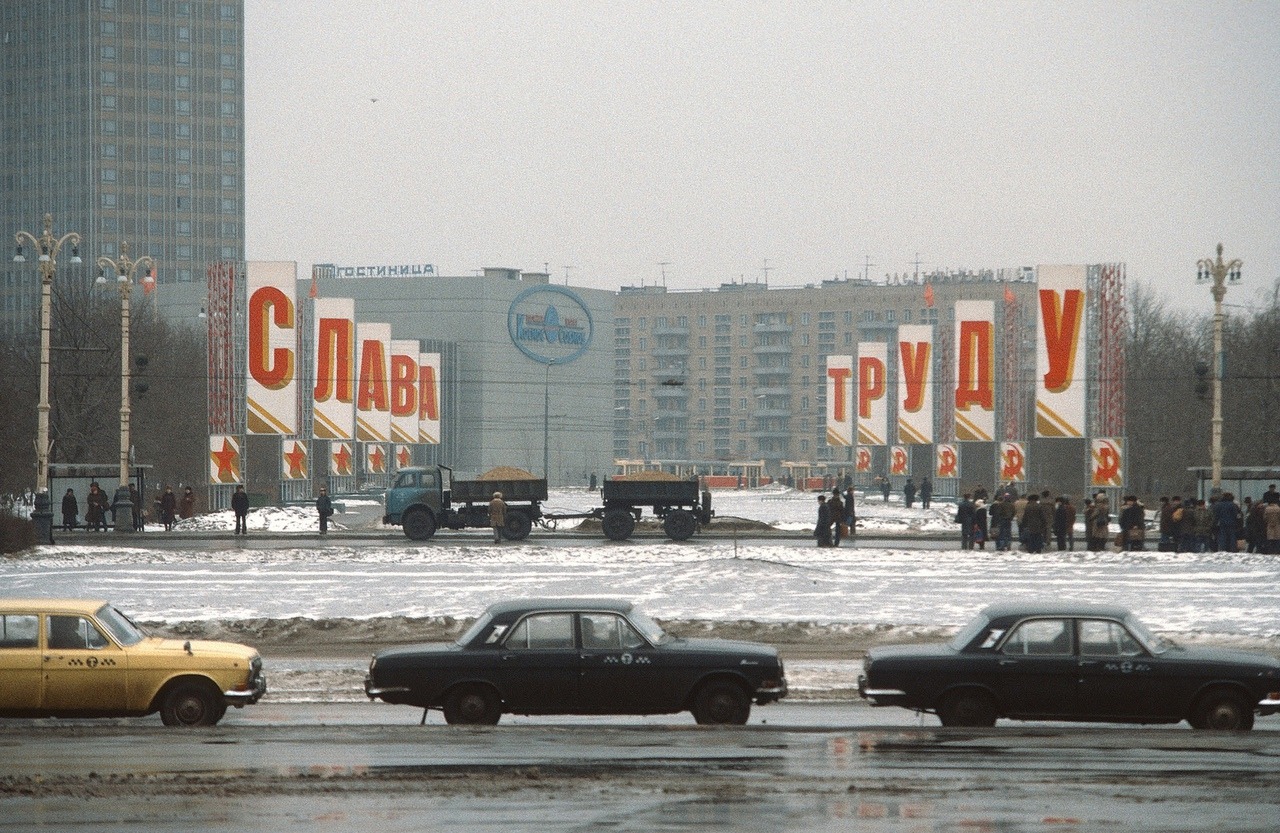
{"x": 1012, "y": 468}
{"x": 899, "y": 461}
{"x": 1106, "y": 464}
{"x": 864, "y": 459}
{"x": 947, "y": 468}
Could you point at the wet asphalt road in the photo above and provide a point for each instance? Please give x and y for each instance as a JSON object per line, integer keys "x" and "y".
{"x": 371, "y": 767}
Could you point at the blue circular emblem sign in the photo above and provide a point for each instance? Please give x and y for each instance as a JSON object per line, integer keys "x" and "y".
{"x": 550, "y": 324}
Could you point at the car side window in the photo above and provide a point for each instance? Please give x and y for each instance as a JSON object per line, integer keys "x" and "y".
{"x": 1040, "y": 637}
{"x": 609, "y": 631}
{"x": 542, "y": 631}
{"x": 19, "y": 631}
{"x": 74, "y": 633}
{"x": 1100, "y": 638}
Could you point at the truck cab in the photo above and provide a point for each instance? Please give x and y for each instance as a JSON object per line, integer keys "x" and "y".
{"x": 418, "y": 490}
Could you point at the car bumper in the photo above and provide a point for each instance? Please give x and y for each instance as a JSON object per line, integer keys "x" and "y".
{"x": 881, "y": 696}
{"x": 771, "y": 694}
{"x": 374, "y": 692}
{"x": 247, "y": 697}
{"x": 1268, "y": 706}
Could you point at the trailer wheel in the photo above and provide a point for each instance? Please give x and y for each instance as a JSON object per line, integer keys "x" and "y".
{"x": 517, "y": 526}
{"x": 680, "y": 525}
{"x": 618, "y": 524}
{"x": 419, "y": 524}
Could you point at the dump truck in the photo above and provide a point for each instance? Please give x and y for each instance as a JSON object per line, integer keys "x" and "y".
{"x": 426, "y": 498}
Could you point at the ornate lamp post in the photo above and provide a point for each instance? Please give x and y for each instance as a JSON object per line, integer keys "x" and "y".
{"x": 48, "y": 246}
{"x": 125, "y": 270}
{"x": 1220, "y": 274}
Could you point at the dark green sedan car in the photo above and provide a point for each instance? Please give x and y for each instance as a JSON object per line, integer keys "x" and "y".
{"x": 577, "y": 656}
{"x": 1071, "y": 662}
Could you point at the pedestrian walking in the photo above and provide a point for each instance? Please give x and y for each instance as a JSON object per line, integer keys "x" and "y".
{"x": 1001, "y": 517}
{"x": 1098, "y": 527}
{"x": 497, "y": 516}
{"x": 240, "y": 506}
{"x": 835, "y": 506}
{"x": 926, "y": 493}
{"x": 822, "y": 529}
{"x": 1227, "y": 518}
{"x": 169, "y": 508}
{"x": 187, "y": 506}
{"x": 909, "y": 492}
{"x": 1064, "y": 523}
{"x": 70, "y": 510}
{"x": 885, "y": 487}
{"x": 324, "y": 508}
{"x": 95, "y": 515}
{"x": 850, "y": 514}
{"x": 964, "y": 518}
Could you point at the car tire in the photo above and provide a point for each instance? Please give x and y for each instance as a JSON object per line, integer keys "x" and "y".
{"x": 192, "y": 704}
{"x": 517, "y": 527}
{"x": 722, "y": 703}
{"x": 1222, "y": 711}
{"x": 968, "y": 709}
{"x": 472, "y": 705}
{"x": 680, "y": 525}
{"x": 419, "y": 524}
{"x": 618, "y": 524}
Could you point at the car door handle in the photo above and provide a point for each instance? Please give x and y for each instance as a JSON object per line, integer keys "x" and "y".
{"x": 1085, "y": 662}
{"x": 1008, "y": 662}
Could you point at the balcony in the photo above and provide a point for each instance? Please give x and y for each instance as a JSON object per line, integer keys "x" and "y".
{"x": 671, "y": 350}
{"x": 671, "y": 330}
{"x": 773, "y": 327}
{"x": 768, "y": 349}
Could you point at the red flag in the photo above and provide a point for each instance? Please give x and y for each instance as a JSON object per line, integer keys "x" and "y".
{"x": 313, "y": 292}
{"x": 1008, "y": 295}
{"x": 928, "y": 295}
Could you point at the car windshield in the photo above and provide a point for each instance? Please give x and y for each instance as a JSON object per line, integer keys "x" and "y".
{"x": 650, "y": 629}
{"x": 476, "y": 629}
{"x": 1155, "y": 644}
{"x": 124, "y": 629}
{"x": 968, "y": 632}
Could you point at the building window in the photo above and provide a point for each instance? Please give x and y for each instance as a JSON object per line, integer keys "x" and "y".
{"x": 184, "y": 251}
{"x": 228, "y": 180}
{"x": 109, "y": 201}
{"x": 184, "y": 228}
{"x": 227, "y": 85}
{"x": 155, "y": 179}
{"x": 848, "y": 339}
{"x": 227, "y": 253}
{"x": 184, "y": 155}
{"x": 155, "y": 228}
{"x": 184, "y": 180}
{"x": 182, "y": 203}
{"x": 155, "y": 130}
{"x": 906, "y": 316}
{"x": 182, "y": 82}
{"x": 227, "y": 61}
{"x": 155, "y": 154}
{"x": 228, "y": 108}
{"x": 227, "y": 11}
{"x": 182, "y": 107}
{"x": 109, "y": 150}
{"x": 155, "y": 105}
{"x": 848, "y": 318}
{"x": 108, "y": 102}
{"x": 108, "y": 77}
{"x": 182, "y": 57}
{"x": 155, "y": 202}
{"x": 107, "y": 53}
{"x": 229, "y": 157}
{"x": 804, "y": 339}
{"x": 227, "y": 204}
{"x": 108, "y": 174}
{"x": 182, "y": 131}
{"x": 109, "y": 127}
{"x": 804, "y": 319}
{"x": 184, "y": 33}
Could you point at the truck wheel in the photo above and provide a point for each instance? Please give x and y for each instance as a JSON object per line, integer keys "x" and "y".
{"x": 618, "y": 524}
{"x": 680, "y": 525}
{"x": 517, "y": 526}
{"x": 419, "y": 524}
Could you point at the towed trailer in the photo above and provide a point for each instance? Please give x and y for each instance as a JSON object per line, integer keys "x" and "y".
{"x": 426, "y": 498}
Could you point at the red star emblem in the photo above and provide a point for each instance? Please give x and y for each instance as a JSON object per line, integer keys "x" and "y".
{"x": 226, "y": 459}
{"x": 377, "y": 459}
{"x": 403, "y": 457}
{"x": 296, "y": 457}
{"x": 342, "y": 459}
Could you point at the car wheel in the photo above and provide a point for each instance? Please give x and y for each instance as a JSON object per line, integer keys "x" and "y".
{"x": 191, "y": 704}
{"x": 618, "y": 524}
{"x": 472, "y": 706}
{"x": 722, "y": 703}
{"x": 680, "y": 525}
{"x": 969, "y": 709}
{"x": 517, "y": 526}
{"x": 419, "y": 524}
{"x": 1222, "y": 711}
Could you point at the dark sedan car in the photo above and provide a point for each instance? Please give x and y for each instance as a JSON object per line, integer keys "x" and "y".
{"x": 577, "y": 656}
{"x": 1071, "y": 662}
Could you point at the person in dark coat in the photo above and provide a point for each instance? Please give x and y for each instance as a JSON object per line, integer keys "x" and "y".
{"x": 1133, "y": 524}
{"x": 95, "y": 516}
{"x": 1064, "y": 523}
{"x": 135, "y": 497}
{"x": 909, "y": 492}
{"x": 835, "y": 506}
{"x": 240, "y": 506}
{"x": 70, "y": 510}
{"x": 187, "y": 506}
{"x": 850, "y": 513}
{"x": 926, "y": 493}
{"x": 324, "y": 508}
{"x": 1226, "y": 514}
{"x": 1032, "y": 527}
{"x": 168, "y": 508}
{"x": 822, "y": 530}
{"x": 1001, "y": 515}
{"x": 964, "y": 517}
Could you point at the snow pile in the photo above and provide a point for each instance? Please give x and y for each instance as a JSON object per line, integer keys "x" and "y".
{"x": 266, "y": 519}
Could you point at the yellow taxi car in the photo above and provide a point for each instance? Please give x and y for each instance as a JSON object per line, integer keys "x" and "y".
{"x": 84, "y": 658}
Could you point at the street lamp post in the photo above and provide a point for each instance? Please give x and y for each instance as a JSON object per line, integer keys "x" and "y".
{"x": 1220, "y": 274}
{"x": 48, "y": 246}
{"x": 125, "y": 269}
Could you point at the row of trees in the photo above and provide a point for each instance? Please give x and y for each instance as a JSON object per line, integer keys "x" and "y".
{"x": 1169, "y": 370}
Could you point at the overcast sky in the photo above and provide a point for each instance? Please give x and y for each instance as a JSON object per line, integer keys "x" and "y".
{"x": 716, "y": 136}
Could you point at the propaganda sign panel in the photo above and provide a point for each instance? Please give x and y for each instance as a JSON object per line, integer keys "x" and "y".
{"x": 224, "y": 460}
{"x": 429, "y": 398}
{"x": 342, "y": 459}
{"x": 1060, "y": 353}
{"x": 863, "y": 458}
{"x": 899, "y": 460}
{"x": 915, "y": 384}
{"x": 1013, "y": 462}
{"x": 1107, "y": 462}
{"x": 946, "y": 461}
{"x": 335, "y": 369}
{"x": 404, "y": 390}
{"x": 873, "y": 406}
{"x": 271, "y": 382}
{"x": 375, "y": 458}
{"x": 293, "y": 460}
{"x": 373, "y": 382}
{"x": 975, "y": 371}
{"x": 840, "y": 401}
